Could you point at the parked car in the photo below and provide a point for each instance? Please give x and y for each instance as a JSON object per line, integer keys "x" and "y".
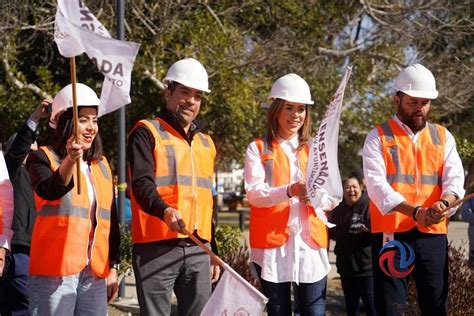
{"x": 231, "y": 199}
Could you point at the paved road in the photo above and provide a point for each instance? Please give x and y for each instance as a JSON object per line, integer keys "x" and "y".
{"x": 457, "y": 235}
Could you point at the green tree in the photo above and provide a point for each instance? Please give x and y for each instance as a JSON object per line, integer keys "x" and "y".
{"x": 245, "y": 46}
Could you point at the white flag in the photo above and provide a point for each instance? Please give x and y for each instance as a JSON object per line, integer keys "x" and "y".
{"x": 323, "y": 178}
{"x": 234, "y": 296}
{"x": 77, "y": 31}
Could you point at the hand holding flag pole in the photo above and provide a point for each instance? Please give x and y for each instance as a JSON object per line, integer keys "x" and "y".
{"x": 72, "y": 64}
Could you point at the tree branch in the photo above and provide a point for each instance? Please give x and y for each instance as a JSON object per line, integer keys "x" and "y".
{"x": 153, "y": 79}
{"x": 339, "y": 53}
{"x": 21, "y": 85}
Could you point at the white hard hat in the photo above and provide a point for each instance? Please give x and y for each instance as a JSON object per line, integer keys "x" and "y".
{"x": 63, "y": 100}
{"x": 188, "y": 72}
{"x": 417, "y": 81}
{"x": 291, "y": 88}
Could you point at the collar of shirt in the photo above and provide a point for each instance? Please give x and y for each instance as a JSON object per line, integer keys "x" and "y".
{"x": 172, "y": 120}
{"x": 413, "y": 136}
{"x": 291, "y": 143}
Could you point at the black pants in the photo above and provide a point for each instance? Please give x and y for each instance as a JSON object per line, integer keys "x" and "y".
{"x": 355, "y": 289}
{"x": 14, "y": 285}
{"x": 430, "y": 274}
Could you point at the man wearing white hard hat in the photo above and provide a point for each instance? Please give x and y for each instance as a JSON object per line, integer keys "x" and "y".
{"x": 413, "y": 173}
{"x": 172, "y": 169}
{"x": 288, "y": 241}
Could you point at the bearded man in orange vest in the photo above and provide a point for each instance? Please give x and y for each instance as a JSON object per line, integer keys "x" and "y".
{"x": 413, "y": 174}
{"x": 172, "y": 168}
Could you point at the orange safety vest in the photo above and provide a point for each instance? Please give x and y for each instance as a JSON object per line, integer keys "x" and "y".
{"x": 60, "y": 241}
{"x": 269, "y": 225}
{"x": 183, "y": 178}
{"x": 413, "y": 170}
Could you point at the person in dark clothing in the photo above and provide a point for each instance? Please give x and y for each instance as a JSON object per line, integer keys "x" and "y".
{"x": 172, "y": 168}
{"x": 13, "y": 284}
{"x": 353, "y": 247}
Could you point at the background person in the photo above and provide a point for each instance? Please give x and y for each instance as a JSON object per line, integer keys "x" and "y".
{"x": 172, "y": 169}
{"x": 288, "y": 242}
{"x": 76, "y": 238}
{"x": 353, "y": 247}
{"x": 14, "y": 284}
{"x": 413, "y": 173}
{"x": 6, "y": 213}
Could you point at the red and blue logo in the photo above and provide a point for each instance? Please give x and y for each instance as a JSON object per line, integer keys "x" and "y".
{"x": 397, "y": 259}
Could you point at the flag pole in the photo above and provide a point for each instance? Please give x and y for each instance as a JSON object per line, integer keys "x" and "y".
{"x": 223, "y": 264}
{"x": 459, "y": 202}
{"x": 72, "y": 63}
{"x": 209, "y": 251}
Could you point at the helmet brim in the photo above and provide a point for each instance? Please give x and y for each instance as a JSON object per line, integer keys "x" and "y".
{"x": 167, "y": 81}
{"x": 296, "y": 100}
{"x": 421, "y": 94}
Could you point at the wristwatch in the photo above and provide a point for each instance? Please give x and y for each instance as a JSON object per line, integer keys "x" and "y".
{"x": 114, "y": 266}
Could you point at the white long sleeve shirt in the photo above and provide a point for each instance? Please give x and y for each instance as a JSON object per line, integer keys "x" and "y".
{"x": 380, "y": 191}
{"x": 6, "y": 205}
{"x": 300, "y": 259}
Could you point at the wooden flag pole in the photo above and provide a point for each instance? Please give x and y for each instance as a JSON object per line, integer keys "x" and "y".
{"x": 72, "y": 63}
{"x": 209, "y": 251}
{"x": 459, "y": 202}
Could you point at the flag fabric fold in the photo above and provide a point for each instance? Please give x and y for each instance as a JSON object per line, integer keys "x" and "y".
{"x": 233, "y": 295}
{"x": 323, "y": 183}
{"x": 77, "y": 31}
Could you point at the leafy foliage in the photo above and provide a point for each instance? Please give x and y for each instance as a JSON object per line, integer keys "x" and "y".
{"x": 125, "y": 250}
{"x": 235, "y": 254}
{"x": 245, "y": 46}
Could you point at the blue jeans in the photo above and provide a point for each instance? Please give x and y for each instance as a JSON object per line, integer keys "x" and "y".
{"x": 79, "y": 294}
{"x": 430, "y": 274}
{"x": 356, "y": 288}
{"x": 311, "y": 297}
{"x": 14, "y": 285}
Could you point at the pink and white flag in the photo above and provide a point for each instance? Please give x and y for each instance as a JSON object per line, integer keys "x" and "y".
{"x": 77, "y": 31}
{"x": 234, "y": 296}
{"x": 323, "y": 178}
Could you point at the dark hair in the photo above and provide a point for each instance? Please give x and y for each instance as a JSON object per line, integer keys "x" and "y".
{"x": 400, "y": 94}
{"x": 64, "y": 130}
{"x": 172, "y": 86}
{"x": 304, "y": 133}
{"x": 359, "y": 174}
{"x": 361, "y": 184}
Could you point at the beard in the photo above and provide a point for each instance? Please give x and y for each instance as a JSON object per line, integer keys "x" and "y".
{"x": 415, "y": 121}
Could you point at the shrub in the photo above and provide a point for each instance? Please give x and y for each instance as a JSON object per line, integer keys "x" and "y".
{"x": 125, "y": 250}
{"x": 235, "y": 254}
{"x": 460, "y": 291}
{"x": 227, "y": 239}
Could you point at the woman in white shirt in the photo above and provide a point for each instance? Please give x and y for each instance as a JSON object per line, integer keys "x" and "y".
{"x": 288, "y": 241}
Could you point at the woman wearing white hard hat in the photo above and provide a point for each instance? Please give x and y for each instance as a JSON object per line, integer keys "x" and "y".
{"x": 288, "y": 242}
{"x": 75, "y": 241}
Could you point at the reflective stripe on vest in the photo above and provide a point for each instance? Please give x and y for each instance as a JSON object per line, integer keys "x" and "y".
{"x": 183, "y": 179}
{"x": 408, "y": 178}
{"x": 61, "y": 235}
{"x": 416, "y": 175}
{"x": 268, "y": 225}
{"x": 174, "y": 179}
